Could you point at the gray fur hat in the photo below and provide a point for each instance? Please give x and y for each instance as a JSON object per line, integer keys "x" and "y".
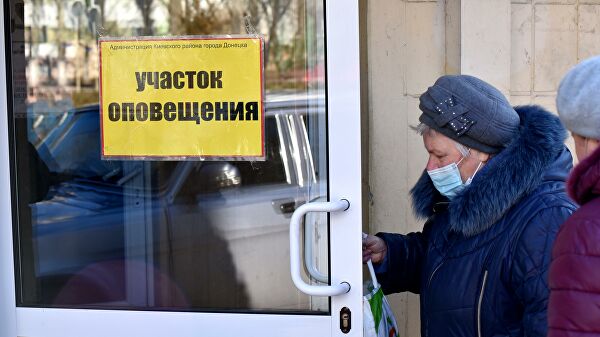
{"x": 470, "y": 111}
{"x": 578, "y": 99}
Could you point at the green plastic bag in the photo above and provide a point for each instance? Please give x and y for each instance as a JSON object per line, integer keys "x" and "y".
{"x": 378, "y": 318}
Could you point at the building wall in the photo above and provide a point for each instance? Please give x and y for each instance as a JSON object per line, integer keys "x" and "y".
{"x": 407, "y": 52}
{"x": 523, "y": 47}
{"x": 548, "y": 38}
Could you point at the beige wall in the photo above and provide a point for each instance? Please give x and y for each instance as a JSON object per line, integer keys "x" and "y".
{"x": 522, "y": 47}
{"x": 407, "y": 52}
{"x": 549, "y": 37}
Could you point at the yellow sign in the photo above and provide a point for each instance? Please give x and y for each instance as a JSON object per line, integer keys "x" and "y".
{"x": 191, "y": 97}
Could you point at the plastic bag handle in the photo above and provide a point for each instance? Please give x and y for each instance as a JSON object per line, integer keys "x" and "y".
{"x": 371, "y": 269}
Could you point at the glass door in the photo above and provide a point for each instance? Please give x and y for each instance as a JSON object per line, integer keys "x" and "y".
{"x": 227, "y": 247}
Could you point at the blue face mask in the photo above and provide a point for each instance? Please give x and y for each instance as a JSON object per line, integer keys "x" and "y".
{"x": 447, "y": 179}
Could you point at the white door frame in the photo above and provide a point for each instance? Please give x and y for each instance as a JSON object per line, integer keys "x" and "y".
{"x": 8, "y": 315}
{"x": 344, "y": 127}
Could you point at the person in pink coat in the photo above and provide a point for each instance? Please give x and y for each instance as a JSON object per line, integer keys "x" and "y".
{"x": 574, "y": 305}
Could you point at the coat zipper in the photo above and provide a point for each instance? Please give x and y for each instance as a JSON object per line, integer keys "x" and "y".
{"x": 485, "y": 274}
{"x": 451, "y": 244}
{"x": 434, "y": 271}
{"x": 429, "y": 284}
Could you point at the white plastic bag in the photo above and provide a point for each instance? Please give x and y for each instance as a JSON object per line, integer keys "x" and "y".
{"x": 378, "y": 318}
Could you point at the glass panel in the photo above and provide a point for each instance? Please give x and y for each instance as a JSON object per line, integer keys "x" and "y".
{"x": 166, "y": 235}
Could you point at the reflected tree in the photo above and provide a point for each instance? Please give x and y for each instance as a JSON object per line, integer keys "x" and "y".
{"x": 145, "y": 7}
{"x": 273, "y": 12}
{"x": 285, "y": 39}
{"x": 196, "y": 17}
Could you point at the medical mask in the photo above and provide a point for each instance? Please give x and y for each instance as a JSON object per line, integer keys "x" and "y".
{"x": 447, "y": 179}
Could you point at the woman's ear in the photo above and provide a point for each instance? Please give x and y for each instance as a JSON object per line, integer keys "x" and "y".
{"x": 481, "y": 156}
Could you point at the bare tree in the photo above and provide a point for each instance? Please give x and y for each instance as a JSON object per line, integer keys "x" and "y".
{"x": 146, "y": 7}
{"x": 273, "y": 11}
{"x": 198, "y": 17}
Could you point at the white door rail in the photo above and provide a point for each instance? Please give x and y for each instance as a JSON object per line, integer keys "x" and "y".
{"x": 315, "y": 290}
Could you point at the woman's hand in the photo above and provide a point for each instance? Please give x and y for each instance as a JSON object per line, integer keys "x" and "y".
{"x": 374, "y": 248}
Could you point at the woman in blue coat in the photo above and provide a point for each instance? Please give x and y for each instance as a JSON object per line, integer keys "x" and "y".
{"x": 493, "y": 197}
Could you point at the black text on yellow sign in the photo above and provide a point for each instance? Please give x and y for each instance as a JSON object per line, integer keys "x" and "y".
{"x": 195, "y": 97}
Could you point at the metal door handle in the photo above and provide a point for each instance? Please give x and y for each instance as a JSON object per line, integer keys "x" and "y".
{"x": 284, "y": 206}
{"x": 330, "y": 290}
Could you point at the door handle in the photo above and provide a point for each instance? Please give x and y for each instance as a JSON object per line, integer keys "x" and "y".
{"x": 287, "y": 206}
{"x": 284, "y": 206}
{"x": 309, "y": 259}
{"x": 315, "y": 290}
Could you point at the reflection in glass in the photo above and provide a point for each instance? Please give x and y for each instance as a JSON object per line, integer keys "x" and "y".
{"x": 180, "y": 235}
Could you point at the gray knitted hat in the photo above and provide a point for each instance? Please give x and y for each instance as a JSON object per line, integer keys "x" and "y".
{"x": 578, "y": 99}
{"x": 470, "y": 111}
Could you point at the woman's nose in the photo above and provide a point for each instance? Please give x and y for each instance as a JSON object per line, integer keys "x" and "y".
{"x": 431, "y": 165}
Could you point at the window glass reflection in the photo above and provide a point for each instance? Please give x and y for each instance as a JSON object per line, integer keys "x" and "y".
{"x": 168, "y": 235}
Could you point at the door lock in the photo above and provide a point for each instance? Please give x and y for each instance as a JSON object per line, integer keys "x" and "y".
{"x": 345, "y": 320}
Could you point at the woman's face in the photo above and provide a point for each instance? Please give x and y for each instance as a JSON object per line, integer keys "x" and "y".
{"x": 442, "y": 151}
{"x": 584, "y": 146}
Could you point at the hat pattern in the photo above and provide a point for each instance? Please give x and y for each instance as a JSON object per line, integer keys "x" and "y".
{"x": 450, "y": 113}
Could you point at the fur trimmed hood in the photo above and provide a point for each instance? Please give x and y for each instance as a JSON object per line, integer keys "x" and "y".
{"x": 536, "y": 154}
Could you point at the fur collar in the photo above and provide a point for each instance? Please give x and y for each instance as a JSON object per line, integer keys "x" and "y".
{"x": 511, "y": 174}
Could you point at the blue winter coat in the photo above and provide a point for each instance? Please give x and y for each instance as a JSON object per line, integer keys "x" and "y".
{"x": 481, "y": 262}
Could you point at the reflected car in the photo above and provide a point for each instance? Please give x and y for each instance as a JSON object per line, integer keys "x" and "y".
{"x": 182, "y": 234}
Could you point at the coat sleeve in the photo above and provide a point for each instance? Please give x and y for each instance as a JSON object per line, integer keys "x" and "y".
{"x": 529, "y": 270}
{"x": 401, "y": 268}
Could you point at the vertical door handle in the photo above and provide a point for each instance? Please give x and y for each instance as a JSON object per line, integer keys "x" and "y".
{"x": 315, "y": 290}
{"x": 309, "y": 259}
